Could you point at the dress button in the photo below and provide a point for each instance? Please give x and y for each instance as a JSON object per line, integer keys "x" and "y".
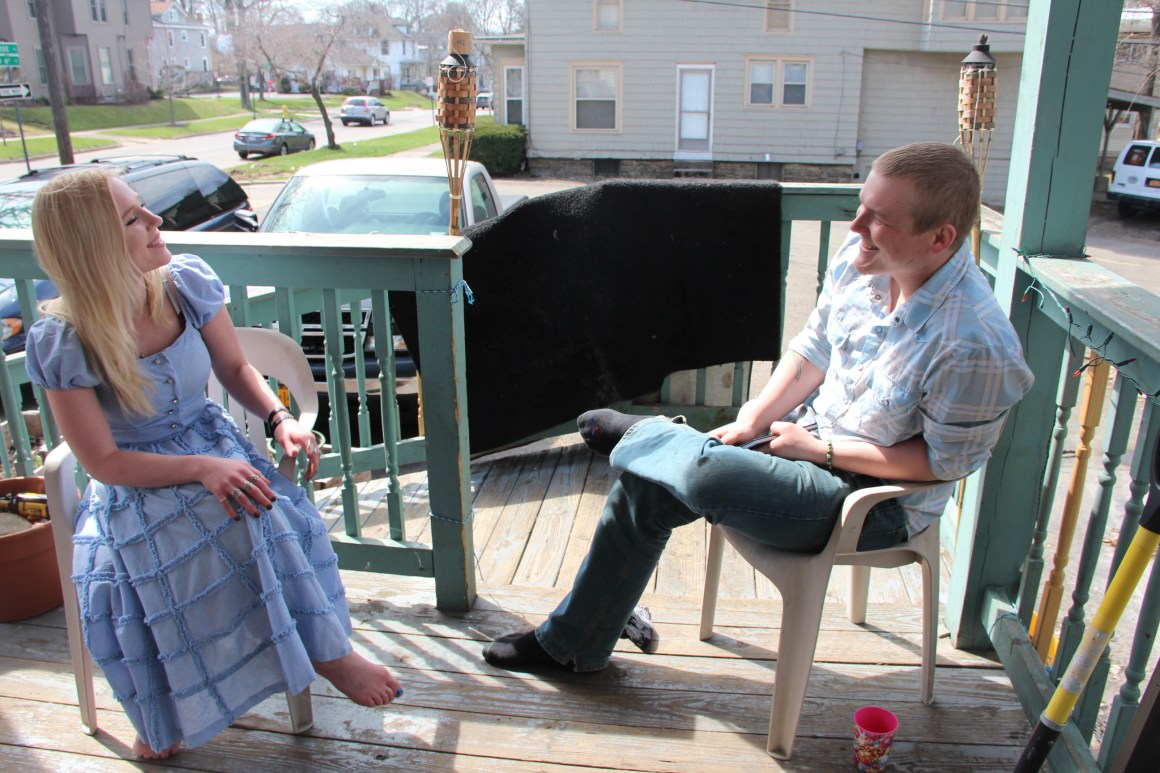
{"x": 170, "y": 411}
{"x": 168, "y": 381}
{"x": 173, "y": 426}
{"x": 157, "y": 360}
{"x": 174, "y": 401}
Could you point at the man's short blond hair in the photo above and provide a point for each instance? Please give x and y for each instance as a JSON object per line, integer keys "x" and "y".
{"x": 947, "y": 183}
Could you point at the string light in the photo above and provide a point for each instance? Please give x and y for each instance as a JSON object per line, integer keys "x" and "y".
{"x": 1078, "y": 333}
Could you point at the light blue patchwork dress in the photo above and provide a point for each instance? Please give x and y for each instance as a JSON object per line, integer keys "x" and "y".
{"x": 193, "y": 617}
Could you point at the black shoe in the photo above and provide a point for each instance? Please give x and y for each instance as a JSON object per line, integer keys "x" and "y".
{"x": 520, "y": 652}
{"x": 639, "y": 630}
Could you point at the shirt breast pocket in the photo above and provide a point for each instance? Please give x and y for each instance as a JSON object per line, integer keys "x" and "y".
{"x": 890, "y": 411}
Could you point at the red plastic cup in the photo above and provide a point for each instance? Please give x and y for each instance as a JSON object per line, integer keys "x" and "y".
{"x": 874, "y": 729}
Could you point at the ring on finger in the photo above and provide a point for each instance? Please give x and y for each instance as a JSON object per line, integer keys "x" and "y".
{"x": 222, "y": 500}
{"x": 247, "y": 485}
{"x": 236, "y": 493}
{"x": 253, "y": 477}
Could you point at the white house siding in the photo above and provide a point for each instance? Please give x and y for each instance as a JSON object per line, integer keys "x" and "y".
{"x": 930, "y": 111}
{"x": 657, "y": 35}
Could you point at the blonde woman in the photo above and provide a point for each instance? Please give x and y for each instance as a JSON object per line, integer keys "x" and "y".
{"x": 206, "y": 580}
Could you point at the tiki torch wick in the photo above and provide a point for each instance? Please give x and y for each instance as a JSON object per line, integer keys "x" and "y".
{"x": 455, "y": 116}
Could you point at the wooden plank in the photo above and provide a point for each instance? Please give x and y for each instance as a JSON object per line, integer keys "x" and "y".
{"x": 509, "y": 538}
{"x": 596, "y": 486}
{"x": 491, "y": 498}
{"x": 548, "y": 542}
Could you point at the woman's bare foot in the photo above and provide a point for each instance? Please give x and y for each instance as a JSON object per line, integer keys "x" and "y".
{"x": 145, "y": 752}
{"x": 364, "y": 682}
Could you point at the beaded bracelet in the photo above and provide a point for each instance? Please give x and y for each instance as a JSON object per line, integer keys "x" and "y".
{"x": 272, "y": 423}
{"x": 830, "y": 455}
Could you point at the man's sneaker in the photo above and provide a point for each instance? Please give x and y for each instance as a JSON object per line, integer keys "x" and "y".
{"x": 639, "y": 630}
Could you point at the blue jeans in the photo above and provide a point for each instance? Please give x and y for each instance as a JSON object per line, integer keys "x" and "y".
{"x": 673, "y": 475}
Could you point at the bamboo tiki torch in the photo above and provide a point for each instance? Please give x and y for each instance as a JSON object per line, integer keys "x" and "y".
{"x": 455, "y": 115}
{"x": 977, "y": 82}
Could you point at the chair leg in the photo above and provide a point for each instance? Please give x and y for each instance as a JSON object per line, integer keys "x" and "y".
{"x": 712, "y": 581}
{"x": 800, "y": 623}
{"x": 929, "y": 628}
{"x": 82, "y": 664}
{"x": 301, "y": 711}
{"x": 859, "y": 590}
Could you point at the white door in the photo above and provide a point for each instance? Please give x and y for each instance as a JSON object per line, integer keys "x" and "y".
{"x": 694, "y": 112}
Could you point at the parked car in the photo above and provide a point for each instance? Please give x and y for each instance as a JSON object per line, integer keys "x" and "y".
{"x": 374, "y": 195}
{"x": 272, "y": 136}
{"x": 364, "y": 110}
{"x": 483, "y": 100}
{"x": 1135, "y": 183}
{"x": 186, "y": 193}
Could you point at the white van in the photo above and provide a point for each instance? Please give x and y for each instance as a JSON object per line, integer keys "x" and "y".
{"x": 1135, "y": 181}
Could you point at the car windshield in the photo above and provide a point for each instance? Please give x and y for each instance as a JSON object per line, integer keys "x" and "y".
{"x": 16, "y": 209}
{"x": 384, "y": 204}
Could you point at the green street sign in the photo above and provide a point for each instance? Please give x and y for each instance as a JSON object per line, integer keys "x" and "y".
{"x": 9, "y": 55}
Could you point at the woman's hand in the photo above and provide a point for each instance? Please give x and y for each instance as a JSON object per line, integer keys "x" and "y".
{"x": 293, "y": 438}
{"x": 238, "y": 487}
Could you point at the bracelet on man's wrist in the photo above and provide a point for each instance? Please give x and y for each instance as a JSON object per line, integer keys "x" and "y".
{"x": 830, "y": 455}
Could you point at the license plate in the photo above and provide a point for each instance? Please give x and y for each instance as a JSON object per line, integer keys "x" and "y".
{"x": 284, "y": 395}
{"x": 1153, "y": 182}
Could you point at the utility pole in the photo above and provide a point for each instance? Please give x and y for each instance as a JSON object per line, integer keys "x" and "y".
{"x": 56, "y": 92}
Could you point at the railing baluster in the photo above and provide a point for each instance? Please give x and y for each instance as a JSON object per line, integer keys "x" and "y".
{"x": 1033, "y": 566}
{"x": 1095, "y": 386}
{"x": 1071, "y": 632}
{"x": 1127, "y": 699}
{"x": 389, "y": 409}
{"x": 339, "y": 412}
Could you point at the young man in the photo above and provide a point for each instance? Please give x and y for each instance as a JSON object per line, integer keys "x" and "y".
{"x": 905, "y": 371}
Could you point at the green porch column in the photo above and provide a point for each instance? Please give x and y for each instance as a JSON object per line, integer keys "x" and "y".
{"x": 1067, "y": 63}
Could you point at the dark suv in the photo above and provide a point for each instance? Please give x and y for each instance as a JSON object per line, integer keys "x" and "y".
{"x": 187, "y": 194}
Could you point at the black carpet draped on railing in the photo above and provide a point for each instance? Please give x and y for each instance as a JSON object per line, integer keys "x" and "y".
{"x": 592, "y": 295}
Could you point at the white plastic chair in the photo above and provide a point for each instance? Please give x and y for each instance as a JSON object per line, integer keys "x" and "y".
{"x": 801, "y": 579}
{"x": 273, "y": 354}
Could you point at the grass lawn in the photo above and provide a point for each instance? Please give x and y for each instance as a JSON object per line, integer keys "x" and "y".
{"x": 281, "y": 167}
{"x": 39, "y": 147}
{"x": 206, "y": 126}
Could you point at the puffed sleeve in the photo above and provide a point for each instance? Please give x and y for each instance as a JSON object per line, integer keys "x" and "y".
{"x": 55, "y": 358}
{"x": 202, "y": 293}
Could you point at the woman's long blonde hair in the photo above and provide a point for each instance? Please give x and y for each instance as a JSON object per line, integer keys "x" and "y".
{"x": 81, "y": 245}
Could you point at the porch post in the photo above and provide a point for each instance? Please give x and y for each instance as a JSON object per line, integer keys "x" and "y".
{"x": 1067, "y": 64}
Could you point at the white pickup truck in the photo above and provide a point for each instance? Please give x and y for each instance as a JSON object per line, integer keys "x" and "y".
{"x": 380, "y": 195}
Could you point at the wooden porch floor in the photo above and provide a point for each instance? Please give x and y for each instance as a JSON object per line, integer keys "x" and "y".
{"x": 691, "y": 706}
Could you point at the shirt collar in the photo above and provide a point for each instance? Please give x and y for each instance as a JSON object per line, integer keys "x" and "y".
{"x": 922, "y": 304}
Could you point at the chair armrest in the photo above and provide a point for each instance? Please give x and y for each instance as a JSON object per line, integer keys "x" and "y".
{"x": 858, "y": 505}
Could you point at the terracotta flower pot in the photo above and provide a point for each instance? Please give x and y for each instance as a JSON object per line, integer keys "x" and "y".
{"x": 29, "y": 581}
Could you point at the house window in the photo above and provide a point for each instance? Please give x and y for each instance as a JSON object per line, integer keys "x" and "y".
{"x": 762, "y": 77}
{"x": 778, "y": 16}
{"x": 41, "y": 67}
{"x": 130, "y": 66}
{"x": 385, "y": 48}
{"x": 794, "y": 83}
{"x": 78, "y": 66}
{"x": 31, "y": 9}
{"x": 204, "y": 64}
{"x": 106, "y": 57}
{"x": 97, "y": 10}
{"x": 778, "y": 82}
{"x": 596, "y": 97}
{"x": 125, "y": 11}
{"x": 169, "y": 36}
{"x": 513, "y": 89}
{"x": 607, "y": 15}
{"x": 184, "y": 36}
{"x": 985, "y": 10}
{"x": 203, "y": 40}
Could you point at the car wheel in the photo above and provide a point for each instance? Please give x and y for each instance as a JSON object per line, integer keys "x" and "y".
{"x": 386, "y": 119}
{"x": 311, "y": 145}
{"x": 369, "y": 122}
{"x": 1124, "y": 209}
{"x": 283, "y": 151}
{"x": 243, "y": 155}
{"x": 345, "y": 122}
